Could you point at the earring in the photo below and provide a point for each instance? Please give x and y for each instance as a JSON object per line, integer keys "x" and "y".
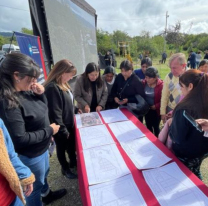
{"x": 18, "y": 81}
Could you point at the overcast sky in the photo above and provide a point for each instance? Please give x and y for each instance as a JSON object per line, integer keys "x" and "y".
{"x": 131, "y": 16}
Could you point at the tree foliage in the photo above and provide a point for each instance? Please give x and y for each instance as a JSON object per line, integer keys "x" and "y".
{"x": 27, "y": 31}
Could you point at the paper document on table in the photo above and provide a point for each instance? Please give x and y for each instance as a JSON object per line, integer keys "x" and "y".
{"x": 104, "y": 163}
{"x": 126, "y": 131}
{"x": 122, "y": 191}
{"x": 172, "y": 187}
{"x": 144, "y": 154}
{"x": 88, "y": 119}
{"x": 113, "y": 115}
{"x": 95, "y": 136}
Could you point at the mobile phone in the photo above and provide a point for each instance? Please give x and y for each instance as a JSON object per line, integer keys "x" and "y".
{"x": 192, "y": 121}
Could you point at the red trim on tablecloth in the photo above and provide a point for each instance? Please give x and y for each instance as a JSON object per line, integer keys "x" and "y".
{"x": 137, "y": 174}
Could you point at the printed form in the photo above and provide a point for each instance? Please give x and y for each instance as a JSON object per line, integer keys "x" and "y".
{"x": 172, "y": 187}
{"x": 119, "y": 192}
{"x": 95, "y": 136}
{"x": 88, "y": 119}
{"x": 125, "y": 131}
{"x": 144, "y": 153}
{"x": 113, "y": 115}
{"x": 104, "y": 163}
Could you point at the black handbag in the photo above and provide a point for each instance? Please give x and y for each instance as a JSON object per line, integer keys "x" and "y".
{"x": 141, "y": 108}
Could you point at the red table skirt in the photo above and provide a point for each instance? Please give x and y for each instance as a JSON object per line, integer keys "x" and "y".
{"x": 137, "y": 174}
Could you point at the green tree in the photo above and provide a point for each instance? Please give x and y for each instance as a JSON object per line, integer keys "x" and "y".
{"x": 27, "y": 31}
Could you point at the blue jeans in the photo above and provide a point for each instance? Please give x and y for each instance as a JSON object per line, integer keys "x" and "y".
{"x": 40, "y": 168}
{"x": 16, "y": 202}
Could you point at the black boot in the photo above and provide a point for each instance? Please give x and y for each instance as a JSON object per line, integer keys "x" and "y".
{"x": 68, "y": 173}
{"x": 52, "y": 196}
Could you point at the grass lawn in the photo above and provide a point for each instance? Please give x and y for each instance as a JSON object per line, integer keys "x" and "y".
{"x": 163, "y": 69}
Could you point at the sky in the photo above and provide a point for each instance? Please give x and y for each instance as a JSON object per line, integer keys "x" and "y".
{"x": 130, "y": 16}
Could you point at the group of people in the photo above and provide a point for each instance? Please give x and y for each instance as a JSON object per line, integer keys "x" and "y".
{"x": 36, "y": 114}
{"x": 195, "y": 58}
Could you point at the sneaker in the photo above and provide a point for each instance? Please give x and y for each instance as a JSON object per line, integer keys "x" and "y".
{"x": 68, "y": 174}
{"x": 52, "y": 196}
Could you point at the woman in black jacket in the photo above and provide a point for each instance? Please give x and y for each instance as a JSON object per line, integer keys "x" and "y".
{"x": 127, "y": 85}
{"x": 61, "y": 111}
{"x": 23, "y": 108}
{"x": 189, "y": 144}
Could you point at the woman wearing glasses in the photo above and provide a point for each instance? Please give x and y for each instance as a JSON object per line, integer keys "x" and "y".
{"x": 23, "y": 108}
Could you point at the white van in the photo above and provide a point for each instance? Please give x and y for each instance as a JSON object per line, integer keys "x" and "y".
{"x": 10, "y": 47}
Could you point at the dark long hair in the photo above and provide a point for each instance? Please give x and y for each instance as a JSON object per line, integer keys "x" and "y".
{"x": 15, "y": 62}
{"x": 196, "y": 101}
{"x": 91, "y": 67}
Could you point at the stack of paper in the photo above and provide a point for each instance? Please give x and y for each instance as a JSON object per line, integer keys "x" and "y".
{"x": 87, "y": 119}
{"x": 144, "y": 153}
{"x": 104, "y": 163}
{"x": 95, "y": 136}
{"x": 172, "y": 187}
{"x": 122, "y": 191}
{"x": 113, "y": 115}
{"x": 126, "y": 131}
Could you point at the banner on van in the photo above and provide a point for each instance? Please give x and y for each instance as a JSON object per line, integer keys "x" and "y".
{"x": 30, "y": 45}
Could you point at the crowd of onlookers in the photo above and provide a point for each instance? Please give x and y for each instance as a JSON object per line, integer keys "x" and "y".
{"x": 35, "y": 115}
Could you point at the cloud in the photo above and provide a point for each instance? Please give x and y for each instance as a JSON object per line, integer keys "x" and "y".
{"x": 137, "y": 15}
{"x": 132, "y": 16}
{"x": 14, "y": 15}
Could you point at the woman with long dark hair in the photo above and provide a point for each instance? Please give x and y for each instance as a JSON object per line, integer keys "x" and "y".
{"x": 189, "y": 144}
{"x": 23, "y": 108}
{"x": 109, "y": 77}
{"x": 90, "y": 91}
{"x": 61, "y": 111}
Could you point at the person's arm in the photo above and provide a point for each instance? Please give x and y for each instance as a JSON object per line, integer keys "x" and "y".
{"x": 165, "y": 97}
{"x": 25, "y": 175}
{"x": 114, "y": 88}
{"x": 159, "y": 93}
{"x": 179, "y": 127}
{"x": 104, "y": 96}
{"x": 78, "y": 93}
{"x": 16, "y": 126}
{"x": 55, "y": 107}
{"x": 138, "y": 88}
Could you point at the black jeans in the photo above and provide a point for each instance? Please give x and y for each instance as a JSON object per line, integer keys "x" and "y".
{"x": 152, "y": 120}
{"x": 64, "y": 145}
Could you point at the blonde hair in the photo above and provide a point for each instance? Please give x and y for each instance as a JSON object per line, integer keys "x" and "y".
{"x": 61, "y": 67}
{"x": 181, "y": 58}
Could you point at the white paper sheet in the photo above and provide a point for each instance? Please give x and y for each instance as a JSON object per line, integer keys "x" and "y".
{"x": 95, "y": 136}
{"x": 172, "y": 187}
{"x": 113, "y": 115}
{"x": 120, "y": 192}
{"x": 126, "y": 131}
{"x": 88, "y": 119}
{"x": 104, "y": 163}
{"x": 144, "y": 153}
